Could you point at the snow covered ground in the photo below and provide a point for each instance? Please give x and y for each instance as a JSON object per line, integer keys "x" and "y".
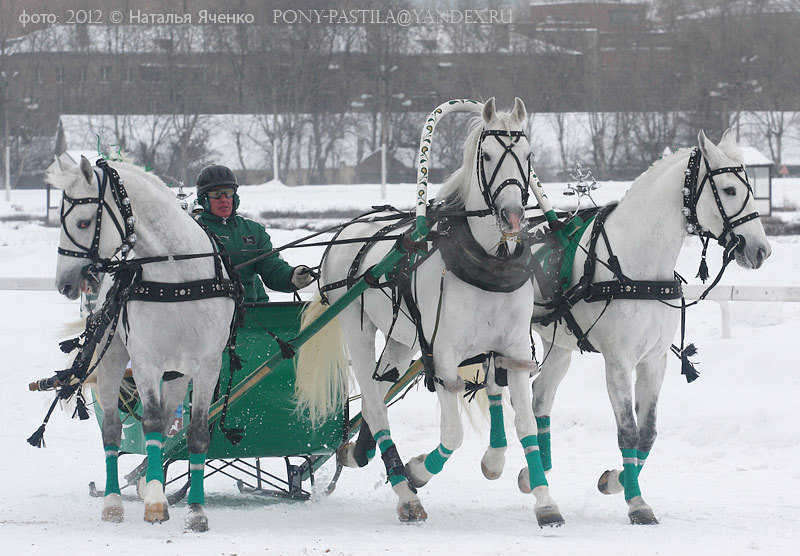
{"x": 722, "y": 477}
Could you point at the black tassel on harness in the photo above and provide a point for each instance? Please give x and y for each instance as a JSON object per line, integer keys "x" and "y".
{"x": 234, "y": 436}
{"x": 702, "y": 272}
{"x": 687, "y": 367}
{"x": 471, "y": 387}
{"x": 69, "y": 345}
{"x": 80, "y": 407}
{"x": 37, "y": 439}
{"x": 287, "y": 350}
{"x": 234, "y": 359}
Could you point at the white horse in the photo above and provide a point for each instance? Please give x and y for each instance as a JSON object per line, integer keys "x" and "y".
{"x": 646, "y": 232}
{"x": 187, "y": 337}
{"x": 470, "y": 321}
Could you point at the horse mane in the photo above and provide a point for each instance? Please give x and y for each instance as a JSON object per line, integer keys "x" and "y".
{"x": 453, "y": 193}
{"x": 64, "y": 178}
{"x": 645, "y": 178}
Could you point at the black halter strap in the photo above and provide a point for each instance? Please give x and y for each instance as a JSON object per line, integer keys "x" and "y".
{"x": 692, "y": 190}
{"x": 109, "y": 180}
{"x": 486, "y": 185}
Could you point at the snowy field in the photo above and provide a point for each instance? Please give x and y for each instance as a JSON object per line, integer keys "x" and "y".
{"x": 722, "y": 477}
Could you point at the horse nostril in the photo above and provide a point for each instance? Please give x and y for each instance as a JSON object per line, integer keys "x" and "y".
{"x": 66, "y": 290}
{"x": 761, "y": 254}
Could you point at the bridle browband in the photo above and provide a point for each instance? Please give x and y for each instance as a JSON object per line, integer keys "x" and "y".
{"x": 486, "y": 185}
{"x": 109, "y": 180}
{"x": 691, "y": 195}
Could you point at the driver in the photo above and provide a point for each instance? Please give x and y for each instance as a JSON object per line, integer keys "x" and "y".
{"x": 216, "y": 192}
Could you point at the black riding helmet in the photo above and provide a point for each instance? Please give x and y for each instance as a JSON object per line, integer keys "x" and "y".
{"x": 212, "y": 176}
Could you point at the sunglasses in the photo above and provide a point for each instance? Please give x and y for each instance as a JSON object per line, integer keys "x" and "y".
{"x": 226, "y": 192}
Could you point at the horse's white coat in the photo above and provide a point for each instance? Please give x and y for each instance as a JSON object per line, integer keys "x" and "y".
{"x": 646, "y": 232}
{"x": 472, "y": 321}
{"x": 187, "y": 337}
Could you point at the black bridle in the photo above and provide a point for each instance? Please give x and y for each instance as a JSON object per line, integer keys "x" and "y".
{"x": 109, "y": 180}
{"x": 486, "y": 185}
{"x": 691, "y": 195}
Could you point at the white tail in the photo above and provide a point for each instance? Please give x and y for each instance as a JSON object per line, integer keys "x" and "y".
{"x": 323, "y": 377}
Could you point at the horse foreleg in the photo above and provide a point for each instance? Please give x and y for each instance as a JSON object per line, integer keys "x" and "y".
{"x": 554, "y": 369}
{"x": 198, "y": 438}
{"x": 109, "y": 378}
{"x": 547, "y": 512}
{"x": 422, "y": 468}
{"x": 155, "y": 502}
{"x": 618, "y": 381}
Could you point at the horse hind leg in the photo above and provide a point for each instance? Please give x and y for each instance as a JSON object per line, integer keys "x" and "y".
{"x": 109, "y": 378}
{"x": 554, "y": 369}
{"x": 360, "y": 453}
{"x": 198, "y": 438}
{"x": 361, "y": 343}
{"x": 494, "y": 458}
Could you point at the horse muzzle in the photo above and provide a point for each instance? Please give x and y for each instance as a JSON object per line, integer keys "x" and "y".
{"x": 84, "y": 280}
{"x": 511, "y": 220}
{"x": 752, "y": 255}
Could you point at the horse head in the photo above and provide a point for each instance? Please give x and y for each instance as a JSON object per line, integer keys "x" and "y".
{"x": 503, "y": 167}
{"x": 725, "y": 206}
{"x": 83, "y": 243}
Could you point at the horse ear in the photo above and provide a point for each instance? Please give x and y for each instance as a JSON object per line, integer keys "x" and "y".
{"x": 728, "y": 137}
{"x": 489, "y": 110}
{"x": 707, "y": 148}
{"x": 519, "y": 111}
{"x": 86, "y": 169}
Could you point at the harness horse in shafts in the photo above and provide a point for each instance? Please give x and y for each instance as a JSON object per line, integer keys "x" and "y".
{"x": 615, "y": 307}
{"x": 185, "y": 331}
{"x": 459, "y": 320}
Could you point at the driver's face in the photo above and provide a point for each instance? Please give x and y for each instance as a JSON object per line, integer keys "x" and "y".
{"x": 222, "y": 206}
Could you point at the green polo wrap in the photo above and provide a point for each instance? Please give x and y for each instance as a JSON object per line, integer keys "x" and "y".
{"x": 543, "y": 436}
{"x": 497, "y": 433}
{"x": 630, "y": 473}
{"x": 197, "y": 493}
{"x": 153, "y": 446}
{"x": 112, "y": 471}
{"x": 641, "y": 458}
{"x": 434, "y": 462}
{"x": 535, "y": 471}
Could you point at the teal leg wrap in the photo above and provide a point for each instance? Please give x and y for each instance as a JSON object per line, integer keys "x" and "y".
{"x": 497, "y": 434}
{"x": 112, "y": 472}
{"x": 535, "y": 470}
{"x": 384, "y": 441}
{"x": 543, "y": 436}
{"x": 371, "y": 453}
{"x": 153, "y": 446}
{"x": 197, "y": 494}
{"x": 436, "y": 459}
{"x": 630, "y": 473}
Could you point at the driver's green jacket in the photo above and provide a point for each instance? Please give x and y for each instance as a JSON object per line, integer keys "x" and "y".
{"x": 237, "y": 235}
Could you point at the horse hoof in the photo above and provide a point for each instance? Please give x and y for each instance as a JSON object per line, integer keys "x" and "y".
{"x": 609, "y": 482}
{"x": 113, "y": 512}
{"x": 141, "y": 487}
{"x": 156, "y": 513}
{"x": 411, "y": 512}
{"x": 642, "y": 516}
{"x": 492, "y": 463}
{"x": 549, "y": 516}
{"x": 196, "y": 519}
{"x": 413, "y": 478}
{"x": 524, "y": 481}
{"x": 344, "y": 455}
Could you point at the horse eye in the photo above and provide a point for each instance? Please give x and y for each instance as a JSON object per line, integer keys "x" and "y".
{"x": 83, "y": 224}
{"x": 729, "y": 191}
{"x": 486, "y": 157}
